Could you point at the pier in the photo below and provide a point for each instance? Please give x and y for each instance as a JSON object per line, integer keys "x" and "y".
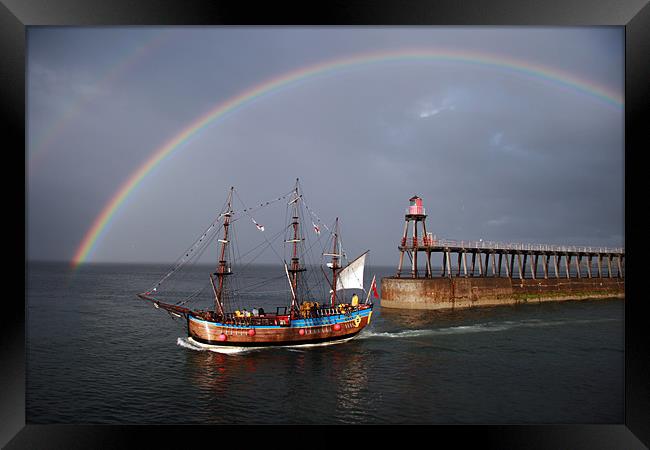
{"x": 496, "y": 259}
{"x": 487, "y": 272}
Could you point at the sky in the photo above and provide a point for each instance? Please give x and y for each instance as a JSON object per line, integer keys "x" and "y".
{"x": 498, "y": 151}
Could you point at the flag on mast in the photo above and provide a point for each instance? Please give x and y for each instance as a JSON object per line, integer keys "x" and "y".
{"x": 373, "y": 287}
{"x": 259, "y": 227}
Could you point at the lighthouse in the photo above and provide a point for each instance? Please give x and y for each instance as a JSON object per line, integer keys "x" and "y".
{"x": 414, "y": 219}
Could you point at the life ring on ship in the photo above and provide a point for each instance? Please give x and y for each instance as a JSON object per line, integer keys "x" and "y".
{"x": 357, "y": 321}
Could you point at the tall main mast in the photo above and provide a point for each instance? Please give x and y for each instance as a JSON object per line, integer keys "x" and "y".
{"x": 295, "y": 257}
{"x": 222, "y": 267}
{"x": 335, "y": 260}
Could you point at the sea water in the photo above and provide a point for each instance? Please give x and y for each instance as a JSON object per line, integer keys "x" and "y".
{"x": 95, "y": 353}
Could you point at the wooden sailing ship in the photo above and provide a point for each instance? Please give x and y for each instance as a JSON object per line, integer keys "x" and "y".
{"x": 304, "y": 319}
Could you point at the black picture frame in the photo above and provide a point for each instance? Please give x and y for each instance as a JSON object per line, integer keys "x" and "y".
{"x": 634, "y": 15}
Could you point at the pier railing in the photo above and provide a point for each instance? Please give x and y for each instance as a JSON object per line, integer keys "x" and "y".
{"x": 509, "y": 246}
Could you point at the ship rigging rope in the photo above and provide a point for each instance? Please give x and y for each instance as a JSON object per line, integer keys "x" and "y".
{"x": 233, "y": 291}
{"x": 197, "y": 255}
{"x": 266, "y": 242}
{"x": 190, "y": 254}
{"x": 332, "y": 234}
{"x": 194, "y": 252}
{"x": 192, "y": 296}
{"x": 247, "y": 211}
{"x": 310, "y": 276}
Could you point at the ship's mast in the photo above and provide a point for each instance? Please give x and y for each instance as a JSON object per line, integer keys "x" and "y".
{"x": 335, "y": 260}
{"x": 295, "y": 257}
{"x": 222, "y": 267}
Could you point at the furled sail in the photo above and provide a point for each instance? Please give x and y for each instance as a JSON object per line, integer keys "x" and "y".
{"x": 351, "y": 276}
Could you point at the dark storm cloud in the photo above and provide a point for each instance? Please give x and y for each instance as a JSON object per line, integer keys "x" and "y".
{"x": 495, "y": 154}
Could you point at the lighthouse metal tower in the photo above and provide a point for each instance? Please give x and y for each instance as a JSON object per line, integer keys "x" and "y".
{"x": 415, "y": 214}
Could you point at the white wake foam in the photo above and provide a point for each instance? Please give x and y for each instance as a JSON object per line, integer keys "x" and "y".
{"x": 476, "y": 328}
{"x": 189, "y": 343}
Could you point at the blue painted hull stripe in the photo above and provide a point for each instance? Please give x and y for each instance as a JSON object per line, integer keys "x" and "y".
{"x": 299, "y": 323}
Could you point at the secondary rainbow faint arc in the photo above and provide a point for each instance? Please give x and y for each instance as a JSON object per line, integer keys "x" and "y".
{"x": 92, "y": 236}
{"x": 39, "y": 149}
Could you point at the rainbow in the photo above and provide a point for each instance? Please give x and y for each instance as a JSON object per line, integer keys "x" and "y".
{"x": 276, "y": 84}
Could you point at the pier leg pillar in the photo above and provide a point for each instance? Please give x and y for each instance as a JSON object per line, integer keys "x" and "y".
{"x": 523, "y": 268}
{"x": 494, "y": 263}
{"x": 620, "y": 270}
{"x": 487, "y": 264}
{"x": 609, "y": 266}
{"x": 428, "y": 264}
{"x": 521, "y": 273}
{"x": 508, "y": 270}
{"x": 578, "y": 258}
{"x": 533, "y": 265}
{"x": 465, "y": 264}
{"x": 500, "y": 262}
{"x": 486, "y": 267}
{"x": 623, "y": 266}
{"x": 588, "y": 261}
{"x": 444, "y": 265}
{"x": 480, "y": 265}
{"x": 459, "y": 263}
{"x": 567, "y": 264}
{"x": 473, "y": 261}
{"x": 556, "y": 265}
{"x": 512, "y": 265}
{"x": 600, "y": 265}
{"x": 448, "y": 263}
{"x": 545, "y": 262}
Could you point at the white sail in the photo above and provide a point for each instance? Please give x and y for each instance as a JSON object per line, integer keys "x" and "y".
{"x": 351, "y": 276}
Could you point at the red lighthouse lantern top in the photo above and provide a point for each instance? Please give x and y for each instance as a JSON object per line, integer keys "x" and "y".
{"x": 415, "y": 206}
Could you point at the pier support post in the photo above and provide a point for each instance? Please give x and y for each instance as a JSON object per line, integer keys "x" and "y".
{"x": 533, "y": 266}
{"x": 609, "y": 265}
{"x": 600, "y": 265}
{"x": 521, "y": 273}
{"x": 567, "y": 264}
{"x": 447, "y": 252}
{"x": 507, "y": 264}
{"x": 444, "y": 265}
{"x": 556, "y": 265}
{"x": 588, "y": 261}
{"x": 620, "y": 270}
{"x": 465, "y": 263}
{"x": 622, "y": 266}
{"x": 473, "y": 261}
{"x": 545, "y": 262}
{"x": 494, "y": 263}
{"x": 578, "y": 258}
{"x": 500, "y": 261}
{"x": 523, "y": 266}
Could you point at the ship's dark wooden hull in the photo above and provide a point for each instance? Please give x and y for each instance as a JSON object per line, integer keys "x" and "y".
{"x": 298, "y": 332}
